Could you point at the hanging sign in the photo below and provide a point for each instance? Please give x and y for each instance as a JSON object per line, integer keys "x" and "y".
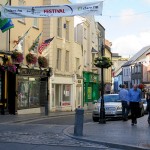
{"x": 93, "y": 8}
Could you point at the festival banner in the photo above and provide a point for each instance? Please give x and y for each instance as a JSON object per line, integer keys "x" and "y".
{"x": 92, "y": 8}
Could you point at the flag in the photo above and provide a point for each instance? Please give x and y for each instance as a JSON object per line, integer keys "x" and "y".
{"x": 6, "y": 24}
{"x": 35, "y": 43}
{"x": 44, "y": 45}
{"x": 22, "y": 38}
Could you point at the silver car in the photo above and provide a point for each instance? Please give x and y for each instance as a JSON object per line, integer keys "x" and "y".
{"x": 112, "y": 104}
{"x": 145, "y": 105}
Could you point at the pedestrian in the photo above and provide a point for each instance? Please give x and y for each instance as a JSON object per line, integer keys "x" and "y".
{"x": 123, "y": 96}
{"x": 148, "y": 106}
{"x": 135, "y": 101}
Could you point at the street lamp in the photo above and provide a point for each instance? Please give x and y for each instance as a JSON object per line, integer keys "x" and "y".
{"x": 102, "y": 119}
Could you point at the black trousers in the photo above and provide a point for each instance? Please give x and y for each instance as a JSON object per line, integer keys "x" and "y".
{"x": 134, "y": 106}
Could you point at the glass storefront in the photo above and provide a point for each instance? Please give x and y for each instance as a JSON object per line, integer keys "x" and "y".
{"x": 61, "y": 93}
{"x": 28, "y": 92}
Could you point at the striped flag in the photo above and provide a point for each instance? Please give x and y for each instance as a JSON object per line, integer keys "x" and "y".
{"x": 35, "y": 43}
{"x": 22, "y": 38}
{"x": 44, "y": 45}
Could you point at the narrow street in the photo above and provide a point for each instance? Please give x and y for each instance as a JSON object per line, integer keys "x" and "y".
{"x": 43, "y": 133}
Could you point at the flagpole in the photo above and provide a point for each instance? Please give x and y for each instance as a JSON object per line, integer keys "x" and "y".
{"x": 9, "y": 29}
{"x": 22, "y": 37}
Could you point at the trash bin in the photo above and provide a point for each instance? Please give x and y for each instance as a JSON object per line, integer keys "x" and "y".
{"x": 79, "y": 119}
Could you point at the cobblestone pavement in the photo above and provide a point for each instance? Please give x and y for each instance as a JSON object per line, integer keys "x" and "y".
{"x": 42, "y": 134}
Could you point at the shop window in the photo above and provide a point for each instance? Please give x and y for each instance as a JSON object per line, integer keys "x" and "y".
{"x": 66, "y": 95}
{"x": 29, "y": 93}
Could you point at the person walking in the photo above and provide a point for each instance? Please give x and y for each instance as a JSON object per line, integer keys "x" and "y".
{"x": 135, "y": 100}
{"x": 148, "y": 107}
{"x": 123, "y": 96}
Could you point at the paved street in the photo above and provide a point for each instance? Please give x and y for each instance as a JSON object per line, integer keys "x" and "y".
{"x": 17, "y": 134}
{"x": 55, "y": 131}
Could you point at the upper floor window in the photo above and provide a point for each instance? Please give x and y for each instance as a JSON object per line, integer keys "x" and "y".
{"x": 124, "y": 72}
{"x": 59, "y": 27}
{"x": 85, "y": 33}
{"x": 93, "y": 37}
{"x": 22, "y": 3}
{"x": 36, "y": 22}
{"x": 93, "y": 57}
{"x": 67, "y": 61}
{"x": 67, "y": 30}
{"x": 77, "y": 65}
{"x": 58, "y": 59}
{"x": 139, "y": 68}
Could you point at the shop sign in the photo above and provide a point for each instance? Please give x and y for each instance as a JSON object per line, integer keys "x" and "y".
{"x": 32, "y": 72}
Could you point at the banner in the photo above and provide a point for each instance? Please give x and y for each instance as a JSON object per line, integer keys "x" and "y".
{"x": 93, "y": 8}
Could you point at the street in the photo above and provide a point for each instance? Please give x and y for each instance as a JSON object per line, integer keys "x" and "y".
{"x": 43, "y": 133}
{"x": 60, "y": 120}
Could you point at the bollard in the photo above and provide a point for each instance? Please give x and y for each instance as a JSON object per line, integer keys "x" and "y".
{"x": 46, "y": 108}
{"x": 79, "y": 119}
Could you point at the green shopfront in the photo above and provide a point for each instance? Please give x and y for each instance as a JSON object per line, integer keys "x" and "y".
{"x": 91, "y": 88}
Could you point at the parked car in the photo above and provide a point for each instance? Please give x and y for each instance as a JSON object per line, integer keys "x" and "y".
{"x": 145, "y": 105}
{"x": 113, "y": 107}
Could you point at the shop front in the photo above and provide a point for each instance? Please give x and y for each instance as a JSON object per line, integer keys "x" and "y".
{"x": 91, "y": 89}
{"x": 32, "y": 90}
{"x": 61, "y": 97}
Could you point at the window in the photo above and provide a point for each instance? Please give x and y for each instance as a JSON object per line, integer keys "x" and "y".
{"x": 93, "y": 57}
{"x": 29, "y": 95}
{"x": 59, "y": 27}
{"x": 67, "y": 61}
{"x": 85, "y": 33}
{"x": 127, "y": 72}
{"x": 139, "y": 68}
{"x": 124, "y": 72}
{"x": 21, "y": 3}
{"x": 77, "y": 65}
{"x": 58, "y": 59}
{"x": 66, "y": 94}
{"x": 67, "y": 30}
{"x": 132, "y": 82}
{"x": 93, "y": 37}
{"x": 36, "y": 22}
{"x": 139, "y": 81}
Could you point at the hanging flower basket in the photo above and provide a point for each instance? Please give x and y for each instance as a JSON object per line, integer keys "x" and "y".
{"x": 142, "y": 87}
{"x": 103, "y": 62}
{"x": 31, "y": 58}
{"x": 8, "y": 67}
{"x": 17, "y": 57}
{"x": 42, "y": 61}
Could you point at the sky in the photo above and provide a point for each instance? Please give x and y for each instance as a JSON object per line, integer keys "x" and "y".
{"x": 126, "y": 23}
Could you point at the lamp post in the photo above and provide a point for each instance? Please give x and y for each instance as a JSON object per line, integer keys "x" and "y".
{"x": 102, "y": 119}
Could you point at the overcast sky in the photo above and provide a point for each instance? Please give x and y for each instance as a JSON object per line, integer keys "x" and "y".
{"x": 126, "y": 23}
